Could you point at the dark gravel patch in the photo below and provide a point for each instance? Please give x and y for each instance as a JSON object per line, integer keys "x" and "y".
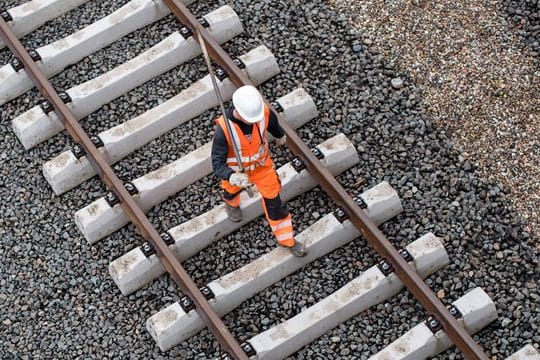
{"x": 525, "y": 16}
{"x": 61, "y": 301}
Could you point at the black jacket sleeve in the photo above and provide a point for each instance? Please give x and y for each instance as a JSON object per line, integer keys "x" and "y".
{"x": 219, "y": 155}
{"x": 273, "y": 126}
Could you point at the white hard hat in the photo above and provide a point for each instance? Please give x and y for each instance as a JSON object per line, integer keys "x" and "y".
{"x": 249, "y": 103}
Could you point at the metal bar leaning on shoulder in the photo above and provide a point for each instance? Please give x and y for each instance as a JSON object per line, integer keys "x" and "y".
{"x": 221, "y": 106}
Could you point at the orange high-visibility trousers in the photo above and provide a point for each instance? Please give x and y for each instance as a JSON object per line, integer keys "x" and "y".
{"x": 269, "y": 186}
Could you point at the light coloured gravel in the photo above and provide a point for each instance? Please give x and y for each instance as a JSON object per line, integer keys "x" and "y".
{"x": 477, "y": 83}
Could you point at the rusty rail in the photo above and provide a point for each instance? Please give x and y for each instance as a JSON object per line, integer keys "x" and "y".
{"x": 132, "y": 209}
{"x": 376, "y": 238}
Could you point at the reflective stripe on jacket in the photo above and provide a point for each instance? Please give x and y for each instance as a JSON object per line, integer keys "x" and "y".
{"x": 254, "y": 151}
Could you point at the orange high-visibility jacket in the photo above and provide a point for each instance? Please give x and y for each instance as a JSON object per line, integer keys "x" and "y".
{"x": 254, "y": 151}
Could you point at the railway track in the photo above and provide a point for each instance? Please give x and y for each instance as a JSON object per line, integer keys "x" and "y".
{"x": 128, "y": 201}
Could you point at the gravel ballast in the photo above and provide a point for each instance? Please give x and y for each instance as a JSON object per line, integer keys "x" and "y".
{"x": 58, "y": 300}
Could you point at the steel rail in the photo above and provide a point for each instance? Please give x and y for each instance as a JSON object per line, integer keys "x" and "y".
{"x": 461, "y": 338}
{"x": 134, "y": 212}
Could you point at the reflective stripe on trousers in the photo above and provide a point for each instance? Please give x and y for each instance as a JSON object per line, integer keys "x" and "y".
{"x": 277, "y": 215}
{"x": 283, "y": 230}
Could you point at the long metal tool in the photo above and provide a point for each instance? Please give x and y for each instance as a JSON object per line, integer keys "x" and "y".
{"x": 202, "y": 43}
{"x": 236, "y": 150}
{"x": 375, "y": 237}
{"x": 131, "y": 208}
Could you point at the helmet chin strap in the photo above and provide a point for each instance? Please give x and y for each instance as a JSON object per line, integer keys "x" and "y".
{"x": 239, "y": 117}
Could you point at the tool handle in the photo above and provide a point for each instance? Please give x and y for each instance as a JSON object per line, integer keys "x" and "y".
{"x": 202, "y": 43}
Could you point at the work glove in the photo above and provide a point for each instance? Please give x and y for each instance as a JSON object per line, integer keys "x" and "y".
{"x": 281, "y": 141}
{"x": 239, "y": 179}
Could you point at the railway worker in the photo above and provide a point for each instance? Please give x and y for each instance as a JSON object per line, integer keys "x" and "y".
{"x": 249, "y": 120}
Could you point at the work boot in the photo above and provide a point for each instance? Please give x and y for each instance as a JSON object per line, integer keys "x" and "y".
{"x": 298, "y": 249}
{"x": 234, "y": 213}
